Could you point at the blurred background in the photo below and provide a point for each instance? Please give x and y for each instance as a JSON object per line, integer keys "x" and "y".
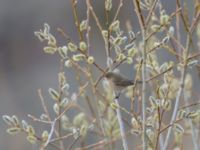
{"x": 24, "y": 67}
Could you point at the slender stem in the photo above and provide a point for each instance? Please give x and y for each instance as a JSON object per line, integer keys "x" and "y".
{"x": 61, "y": 138}
{"x": 194, "y": 135}
{"x": 178, "y": 29}
{"x": 158, "y": 130}
{"x": 94, "y": 14}
{"x": 99, "y": 115}
{"x": 77, "y": 23}
{"x": 118, "y": 10}
{"x": 189, "y": 105}
{"x": 44, "y": 105}
{"x": 183, "y": 72}
{"x": 161, "y": 140}
{"x": 50, "y": 135}
{"x": 151, "y": 11}
{"x": 121, "y": 126}
{"x": 73, "y": 143}
{"x": 88, "y": 30}
{"x": 143, "y": 31}
{"x": 144, "y": 94}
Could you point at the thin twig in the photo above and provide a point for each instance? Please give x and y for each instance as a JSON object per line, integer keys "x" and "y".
{"x": 61, "y": 138}
{"x": 144, "y": 101}
{"x": 46, "y": 112}
{"x": 86, "y": 55}
{"x": 178, "y": 30}
{"x": 118, "y": 10}
{"x": 88, "y": 30}
{"x": 189, "y": 105}
{"x": 163, "y": 72}
{"x": 43, "y": 104}
{"x": 121, "y": 126}
{"x": 194, "y": 134}
{"x": 93, "y": 14}
{"x": 180, "y": 91}
{"x": 151, "y": 11}
{"x": 169, "y": 125}
{"x": 77, "y": 23}
{"x": 101, "y": 143}
{"x": 73, "y": 143}
{"x": 38, "y": 120}
{"x": 50, "y": 133}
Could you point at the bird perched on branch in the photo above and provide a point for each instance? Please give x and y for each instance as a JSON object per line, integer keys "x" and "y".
{"x": 118, "y": 82}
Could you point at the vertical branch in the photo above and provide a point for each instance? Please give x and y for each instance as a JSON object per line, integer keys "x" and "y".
{"x": 99, "y": 115}
{"x": 93, "y": 14}
{"x": 178, "y": 97}
{"x": 143, "y": 31}
{"x": 189, "y": 31}
{"x": 194, "y": 134}
{"x": 49, "y": 119}
{"x": 121, "y": 126}
{"x": 44, "y": 105}
{"x": 59, "y": 110}
{"x": 144, "y": 97}
{"x": 151, "y": 11}
{"x": 77, "y": 23}
{"x": 178, "y": 29}
{"x": 88, "y": 30}
{"x": 118, "y": 10}
{"x": 50, "y": 134}
{"x": 89, "y": 6}
{"x": 107, "y": 43}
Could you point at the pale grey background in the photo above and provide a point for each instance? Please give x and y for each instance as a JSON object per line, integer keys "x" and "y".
{"x": 24, "y": 67}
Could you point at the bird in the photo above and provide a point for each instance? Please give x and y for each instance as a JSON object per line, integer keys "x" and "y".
{"x": 118, "y": 82}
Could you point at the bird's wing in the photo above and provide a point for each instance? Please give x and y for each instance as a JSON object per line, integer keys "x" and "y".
{"x": 124, "y": 83}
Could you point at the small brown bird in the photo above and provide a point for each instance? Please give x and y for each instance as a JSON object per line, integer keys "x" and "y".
{"x": 118, "y": 82}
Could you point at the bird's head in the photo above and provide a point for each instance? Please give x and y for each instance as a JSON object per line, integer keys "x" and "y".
{"x": 109, "y": 75}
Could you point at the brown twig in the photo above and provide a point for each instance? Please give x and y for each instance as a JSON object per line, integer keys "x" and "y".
{"x": 77, "y": 23}
{"x": 144, "y": 70}
{"x": 150, "y": 12}
{"x": 163, "y": 72}
{"x": 190, "y": 105}
{"x": 43, "y": 104}
{"x": 118, "y": 10}
{"x": 93, "y": 14}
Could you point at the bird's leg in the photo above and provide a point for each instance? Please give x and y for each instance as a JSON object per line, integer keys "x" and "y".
{"x": 117, "y": 95}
